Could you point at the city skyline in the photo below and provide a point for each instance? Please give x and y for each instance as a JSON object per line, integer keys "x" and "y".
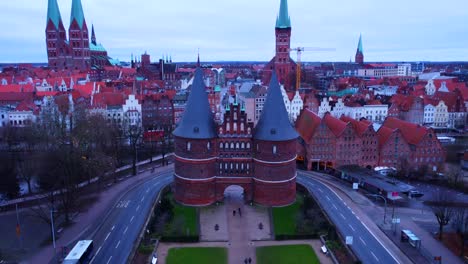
{"x": 179, "y": 29}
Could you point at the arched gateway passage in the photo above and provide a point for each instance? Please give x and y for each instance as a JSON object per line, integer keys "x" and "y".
{"x": 234, "y": 193}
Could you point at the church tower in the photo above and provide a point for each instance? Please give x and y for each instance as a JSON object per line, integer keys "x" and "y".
{"x": 282, "y": 63}
{"x": 56, "y": 37}
{"x": 79, "y": 37}
{"x": 195, "y": 149}
{"x": 359, "y": 59}
{"x": 283, "y": 44}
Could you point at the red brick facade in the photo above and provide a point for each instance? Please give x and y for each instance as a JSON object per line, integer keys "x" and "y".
{"x": 331, "y": 142}
{"x": 205, "y": 168}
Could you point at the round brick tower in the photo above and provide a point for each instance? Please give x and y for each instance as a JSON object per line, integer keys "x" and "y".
{"x": 195, "y": 153}
{"x": 274, "y": 152}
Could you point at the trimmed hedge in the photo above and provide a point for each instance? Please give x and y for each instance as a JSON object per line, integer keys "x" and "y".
{"x": 297, "y": 237}
{"x": 181, "y": 239}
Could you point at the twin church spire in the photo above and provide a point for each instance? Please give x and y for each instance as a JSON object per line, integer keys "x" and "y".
{"x": 53, "y": 13}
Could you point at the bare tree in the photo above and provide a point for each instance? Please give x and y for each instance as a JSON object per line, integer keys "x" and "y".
{"x": 9, "y": 184}
{"x": 27, "y": 169}
{"x": 443, "y": 209}
{"x": 460, "y": 223}
{"x": 133, "y": 132}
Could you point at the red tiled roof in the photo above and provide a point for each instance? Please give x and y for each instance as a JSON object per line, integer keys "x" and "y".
{"x": 108, "y": 99}
{"x": 453, "y": 101}
{"x": 334, "y": 124}
{"x": 85, "y": 89}
{"x": 306, "y": 124}
{"x": 16, "y": 88}
{"x": 359, "y": 126}
{"x": 26, "y": 106}
{"x": 43, "y": 94}
{"x": 383, "y": 134}
{"x": 412, "y": 133}
{"x": 15, "y": 97}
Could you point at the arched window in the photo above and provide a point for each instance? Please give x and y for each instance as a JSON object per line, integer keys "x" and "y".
{"x": 274, "y": 149}
{"x": 232, "y": 145}
{"x": 189, "y": 146}
{"x": 242, "y": 145}
{"x": 249, "y": 130}
{"x": 232, "y": 166}
{"x": 208, "y": 145}
{"x": 226, "y": 145}
{"x": 237, "y": 145}
{"x": 228, "y": 127}
{"x": 220, "y": 145}
{"x": 242, "y": 127}
{"x": 235, "y": 127}
{"x": 248, "y": 145}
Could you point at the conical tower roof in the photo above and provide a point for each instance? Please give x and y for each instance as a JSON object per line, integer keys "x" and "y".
{"x": 359, "y": 48}
{"x": 283, "y": 20}
{"x": 77, "y": 13}
{"x": 274, "y": 123}
{"x": 197, "y": 122}
{"x": 53, "y": 13}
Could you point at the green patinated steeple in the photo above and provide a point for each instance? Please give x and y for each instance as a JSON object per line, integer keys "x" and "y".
{"x": 53, "y": 13}
{"x": 77, "y": 13}
{"x": 359, "y": 48}
{"x": 283, "y": 20}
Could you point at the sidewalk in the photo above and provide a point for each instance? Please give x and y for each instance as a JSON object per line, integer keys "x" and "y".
{"x": 88, "y": 221}
{"x": 375, "y": 213}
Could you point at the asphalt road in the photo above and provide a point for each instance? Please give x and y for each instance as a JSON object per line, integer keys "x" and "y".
{"x": 116, "y": 237}
{"x": 367, "y": 248}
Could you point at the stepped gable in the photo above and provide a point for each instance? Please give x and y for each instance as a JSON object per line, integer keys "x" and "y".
{"x": 306, "y": 124}
{"x": 197, "y": 122}
{"x": 274, "y": 123}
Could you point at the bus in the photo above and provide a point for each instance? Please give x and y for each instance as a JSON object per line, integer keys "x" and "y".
{"x": 80, "y": 252}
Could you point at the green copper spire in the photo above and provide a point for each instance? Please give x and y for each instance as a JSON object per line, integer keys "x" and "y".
{"x": 359, "y": 48}
{"x": 283, "y": 20}
{"x": 53, "y": 13}
{"x": 77, "y": 13}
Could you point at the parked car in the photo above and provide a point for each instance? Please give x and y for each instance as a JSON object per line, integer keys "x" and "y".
{"x": 415, "y": 194}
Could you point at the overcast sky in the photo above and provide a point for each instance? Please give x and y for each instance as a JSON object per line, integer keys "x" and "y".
{"x": 396, "y": 30}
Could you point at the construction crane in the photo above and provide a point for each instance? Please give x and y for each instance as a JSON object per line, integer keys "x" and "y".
{"x": 299, "y": 51}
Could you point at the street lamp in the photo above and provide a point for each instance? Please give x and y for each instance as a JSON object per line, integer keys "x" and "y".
{"x": 52, "y": 211}
{"x": 385, "y": 200}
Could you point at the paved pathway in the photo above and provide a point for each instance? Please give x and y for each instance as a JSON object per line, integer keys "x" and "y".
{"x": 242, "y": 232}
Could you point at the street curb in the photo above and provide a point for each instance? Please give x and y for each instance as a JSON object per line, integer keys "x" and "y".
{"x": 136, "y": 244}
{"x": 109, "y": 210}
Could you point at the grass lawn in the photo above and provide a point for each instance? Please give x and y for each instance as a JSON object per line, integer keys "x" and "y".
{"x": 197, "y": 255}
{"x": 289, "y": 254}
{"x": 189, "y": 214}
{"x": 284, "y": 218}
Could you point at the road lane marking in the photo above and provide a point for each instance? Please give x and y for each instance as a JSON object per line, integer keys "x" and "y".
{"x": 125, "y": 231}
{"x": 334, "y": 206}
{"x": 352, "y": 227}
{"x": 138, "y": 208}
{"x": 97, "y": 252}
{"x": 342, "y": 216}
{"x": 118, "y": 243}
{"x": 112, "y": 227}
{"x": 142, "y": 199}
{"x": 108, "y": 234}
{"x": 362, "y": 240}
{"x": 328, "y": 198}
{"x": 109, "y": 260}
{"x": 374, "y": 256}
{"x": 131, "y": 220}
{"x": 320, "y": 190}
{"x": 367, "y": 228}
